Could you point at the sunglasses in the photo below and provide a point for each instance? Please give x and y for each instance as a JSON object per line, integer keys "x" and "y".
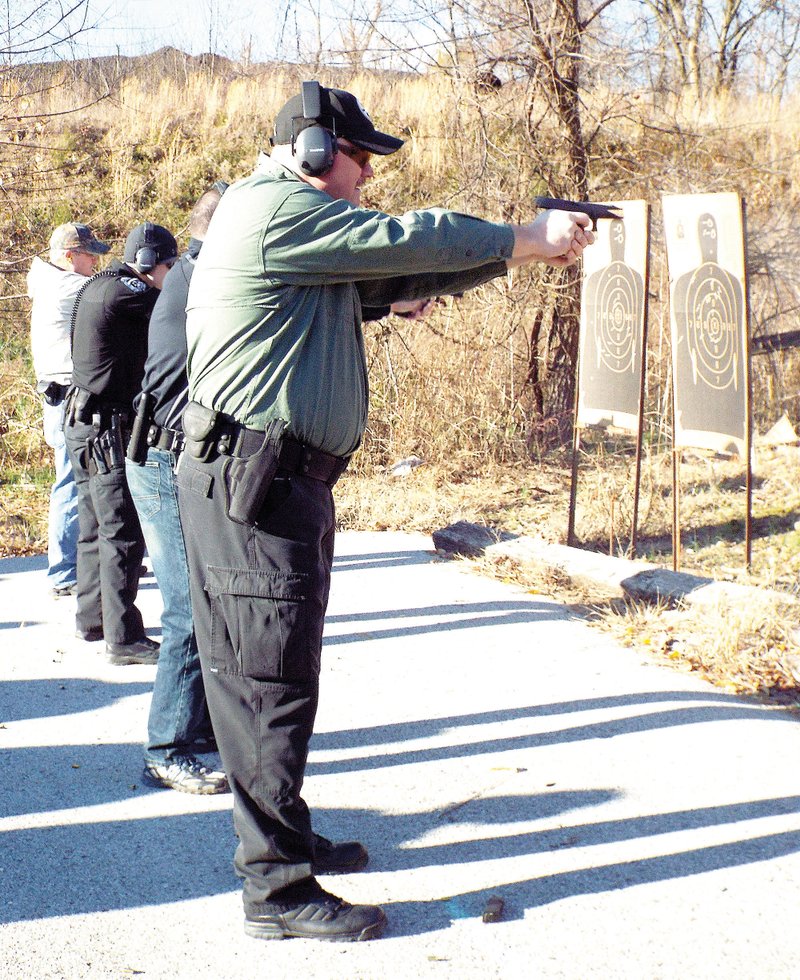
{"x": 360, "y": 157}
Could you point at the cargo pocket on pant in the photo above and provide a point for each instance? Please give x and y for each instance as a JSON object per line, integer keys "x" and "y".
{"x": 260, "y": 624}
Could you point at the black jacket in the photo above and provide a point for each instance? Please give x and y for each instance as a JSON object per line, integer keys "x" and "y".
{"x": 109, "y": 334}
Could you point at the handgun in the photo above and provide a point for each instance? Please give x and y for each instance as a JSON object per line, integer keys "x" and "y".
{"x": 595, "y": 211}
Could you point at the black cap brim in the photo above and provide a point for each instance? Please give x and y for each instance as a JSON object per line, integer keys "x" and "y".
{"x": 380, "y": 143}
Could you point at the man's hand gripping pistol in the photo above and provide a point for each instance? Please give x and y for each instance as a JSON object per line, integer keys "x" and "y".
{"x": 595, "y": 211}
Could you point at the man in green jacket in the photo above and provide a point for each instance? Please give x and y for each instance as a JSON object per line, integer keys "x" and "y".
{"x": 290, "y": 268}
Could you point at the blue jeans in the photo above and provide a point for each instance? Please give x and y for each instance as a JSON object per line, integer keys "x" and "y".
{"x": 178, "y": 712}
{"x": 62, "y": 538}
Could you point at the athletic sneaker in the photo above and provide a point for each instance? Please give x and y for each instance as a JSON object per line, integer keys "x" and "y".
{"x": 186, "y": 774}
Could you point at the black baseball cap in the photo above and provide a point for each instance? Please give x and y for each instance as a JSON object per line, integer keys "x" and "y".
{"x": 342, "y": 114}
{"x": 148, "y": 235}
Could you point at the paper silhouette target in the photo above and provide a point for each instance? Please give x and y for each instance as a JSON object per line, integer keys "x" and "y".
{"x": 612, "y": 321}
{"x": 705, "y": 252}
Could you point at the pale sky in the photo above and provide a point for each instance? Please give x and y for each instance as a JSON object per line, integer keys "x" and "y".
{"x": 194, "y": 26}
{"x": 263, "y": 30}
{"x": 272, "y": 29}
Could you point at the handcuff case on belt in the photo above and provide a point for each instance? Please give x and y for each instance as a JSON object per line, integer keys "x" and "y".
{"x": 198, "y": 426}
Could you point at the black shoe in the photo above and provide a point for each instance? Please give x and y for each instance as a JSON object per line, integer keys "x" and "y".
{"x": 91, "y": 635}
{"x": 307, "y": 911}
{"x": 144, "y": 651}
{"x": 60, "y": 591}
{"x": 342, "y": 858}
{"x": 186, "y": 774}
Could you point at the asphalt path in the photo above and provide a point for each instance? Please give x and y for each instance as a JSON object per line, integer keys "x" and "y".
{"x": 481, "y": 740}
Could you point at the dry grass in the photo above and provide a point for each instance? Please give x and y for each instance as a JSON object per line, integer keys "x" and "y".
{"x": 747, "y": 648}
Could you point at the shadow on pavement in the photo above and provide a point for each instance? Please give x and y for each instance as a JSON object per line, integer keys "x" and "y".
{"x": 413, "y": 918}
{"x": 48, "y": 778}
{"x": 83, "y": 868}
{"x": 467, "y": 615}
{"x": 386, "y": 559}
{"x": 28, "y": 563}
{"x": 426, "y": 727}
{"x": 21, "y": 700}
{"x": 509, "y": 809}
{"x": 117, "y": 864}
{"x": 731, "y": 710}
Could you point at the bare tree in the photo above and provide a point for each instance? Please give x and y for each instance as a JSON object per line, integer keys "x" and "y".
{"x": 707, "y": 38}
{"x": 775, "y": 46}
{"x": 31, "y": 30}
{"x": 357, "y": 35}
{"x": 539, "y": 46}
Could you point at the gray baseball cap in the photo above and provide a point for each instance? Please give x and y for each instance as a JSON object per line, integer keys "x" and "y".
{"x": 77, "y": 238}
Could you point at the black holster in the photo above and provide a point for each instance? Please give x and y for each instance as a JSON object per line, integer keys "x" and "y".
{"x": 247, "y": 479}
{"x": 52, "y": 392}
{"x": 79, "y": 406}
{"x": 106, "y": 449}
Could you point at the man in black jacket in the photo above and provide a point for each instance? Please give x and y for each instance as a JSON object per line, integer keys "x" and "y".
{"x": 109, "y": 346}
{"x": 178, "y": 724}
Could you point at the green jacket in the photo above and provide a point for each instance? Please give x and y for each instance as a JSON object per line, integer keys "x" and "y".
{"x": 275, "y": 305}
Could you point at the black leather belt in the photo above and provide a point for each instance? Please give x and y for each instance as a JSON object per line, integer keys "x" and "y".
{"x": 295, "y": 456}
{"x": 160, "y": 437}
{"x": 299, "y": 458}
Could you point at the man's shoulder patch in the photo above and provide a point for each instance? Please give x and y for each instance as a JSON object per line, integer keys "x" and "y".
{"x": 135, "y": 285}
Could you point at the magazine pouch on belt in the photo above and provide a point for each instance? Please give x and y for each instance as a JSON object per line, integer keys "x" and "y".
{"x": 248, "y": 479}
{"x": 198, "y": 428}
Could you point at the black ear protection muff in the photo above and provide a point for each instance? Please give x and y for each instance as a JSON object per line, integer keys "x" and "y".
{"x": 147, "y": 257}
{"x": 314, "y": 147}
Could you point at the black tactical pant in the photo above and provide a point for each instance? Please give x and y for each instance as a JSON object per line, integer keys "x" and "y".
{"x": 110, "y": 546}
{"x": 259, "y": 596}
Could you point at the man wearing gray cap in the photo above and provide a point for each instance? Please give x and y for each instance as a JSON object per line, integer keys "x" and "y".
{"x": 278, "y": 388}
{"x": 109, "y": 346}
{"x": 53, "y": 287}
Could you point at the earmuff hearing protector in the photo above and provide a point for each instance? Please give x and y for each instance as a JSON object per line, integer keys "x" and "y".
{"x": 147, "y": 257}
{"x": 314, "y": 147}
